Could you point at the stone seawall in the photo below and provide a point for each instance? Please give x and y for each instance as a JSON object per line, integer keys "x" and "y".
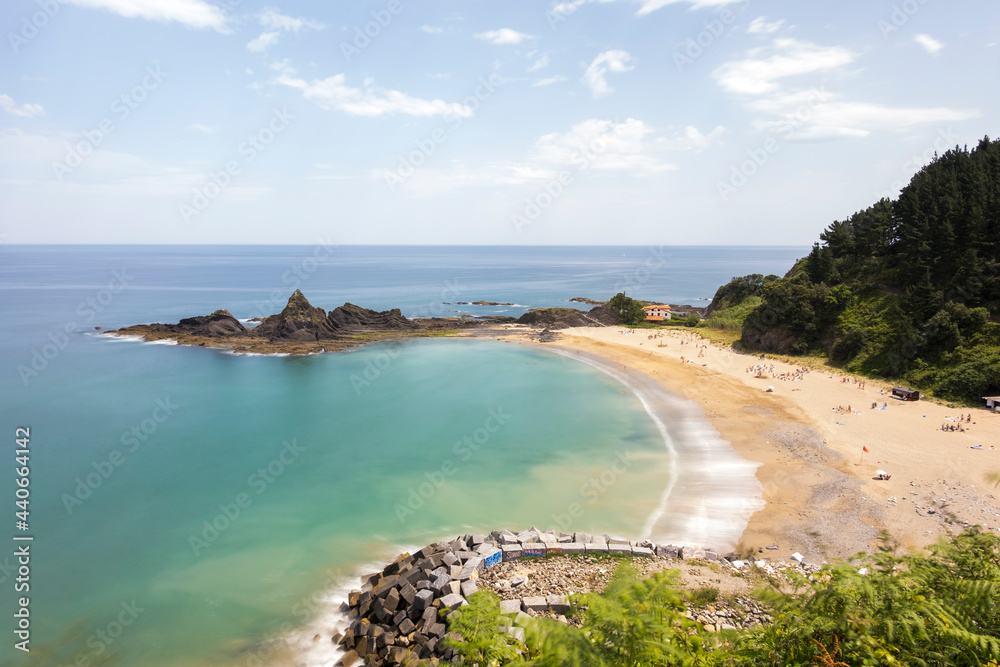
{"x": 398, "y": 616}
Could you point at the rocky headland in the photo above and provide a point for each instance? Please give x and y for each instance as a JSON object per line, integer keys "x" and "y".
{"x": 301, "y": 328}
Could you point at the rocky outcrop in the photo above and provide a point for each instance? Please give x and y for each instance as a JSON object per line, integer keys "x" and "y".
{"x": 299, "y": 320}
{"x": 220, "y": 324}
{"x": 563, "y": 318}
{"x": 349, "y": 316}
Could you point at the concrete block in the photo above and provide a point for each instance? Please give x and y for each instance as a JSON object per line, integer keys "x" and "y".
{"x": 534, "y": 549}
{"x": 386, "y": 584}
{"x": 422, "y": 600}
{"x": 619, "y": 548}
{"x": 642, "y": 551}
{"x": 471, "y": 569}
{"x": 349, "y": 659}
{"x": 689, "y": 553}
{"x": 535, "y": 603}
{"x": 407, "y": 592}
{"x": 391, "y": 601}
{"x": 597, "y": 548}
{"x": 573, "y": 548}
{"x": 439, "y": 584}
{"x": 468, "y": 588}
{"x": 491, "y": 557}
{"x": 452, "y": 601}
{"x": 558, "y": 604}
{"x": 511, "y": 552}
{"x": 553, "y": 548}
{"x": 668, "y": 551}
{"x": 510, "y": 606}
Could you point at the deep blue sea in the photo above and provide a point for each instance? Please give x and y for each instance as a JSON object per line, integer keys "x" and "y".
{"x": 192, "y": 507}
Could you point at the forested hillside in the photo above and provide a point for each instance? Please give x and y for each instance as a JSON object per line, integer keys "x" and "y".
{"x": 907, "y": 288}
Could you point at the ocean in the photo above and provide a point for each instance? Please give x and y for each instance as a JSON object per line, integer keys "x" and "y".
{"x": 192, "y": 507}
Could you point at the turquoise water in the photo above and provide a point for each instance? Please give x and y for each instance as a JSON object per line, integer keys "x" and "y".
{"x": 341, "y": 496}
{"x": 188, "y": 505}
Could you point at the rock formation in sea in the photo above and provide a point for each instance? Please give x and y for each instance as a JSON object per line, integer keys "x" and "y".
{"x": 301, "y": 328}
{"x": 349, "y": 316}
{"x": 299, "y": 320}
{"x": 220, "y": 324}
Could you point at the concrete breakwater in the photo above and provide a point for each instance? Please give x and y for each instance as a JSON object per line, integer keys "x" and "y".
{"x": 399, "y": 615}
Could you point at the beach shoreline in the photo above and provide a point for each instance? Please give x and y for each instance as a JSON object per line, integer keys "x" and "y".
{"x": 821, "y": 498}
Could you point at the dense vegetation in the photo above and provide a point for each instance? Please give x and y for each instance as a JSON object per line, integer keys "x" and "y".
{"x": 934, "y": 609}
{"x": 908, "y": 288}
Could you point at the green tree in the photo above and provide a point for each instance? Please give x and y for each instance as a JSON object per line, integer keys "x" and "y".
{"x": 626, "y": 309}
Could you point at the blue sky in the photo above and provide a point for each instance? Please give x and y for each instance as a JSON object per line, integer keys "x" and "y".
{"x": 667, "y": 122}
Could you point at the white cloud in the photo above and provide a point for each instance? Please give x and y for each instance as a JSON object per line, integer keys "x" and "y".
{"x": 609, "y": 61}
{"x": 816, "y": 114}
{"x": 503, "y": 36}
{"x": 605, "y": 145}
{"x": 541, "y": 63}
{"x": 277, "y": 23}
{"x": 649, "y": 6}
{"x": 693, "y": 139}
{"x": 549, "y": 81}
{"x": 593, "y": 145}
{"x": 757, "y": 74}
{"x": 272, "y": 18}
{"x": 192, "y": 13}
{"x": 263, "y": 42}
{"x": 566, "y": 7}
{"x": 440, "y": 75}
{"x": 825, "y": 117}
{"x": 334, "y": 93}
{"x": 929, "y": 43}
{"x": 23, "y": 111}
{"x": 761, "y": 26}
{"x": 431, "y": 29}
{"x": 202, "y": 128}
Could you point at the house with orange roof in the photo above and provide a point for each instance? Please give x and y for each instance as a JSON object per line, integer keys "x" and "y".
{"x": 656, "y": 313}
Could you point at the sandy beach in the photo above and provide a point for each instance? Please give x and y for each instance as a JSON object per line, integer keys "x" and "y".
{"x": 821, "y": 495}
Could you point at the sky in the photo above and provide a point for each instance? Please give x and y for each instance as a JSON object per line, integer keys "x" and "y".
{"x": 574, "y": 122}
